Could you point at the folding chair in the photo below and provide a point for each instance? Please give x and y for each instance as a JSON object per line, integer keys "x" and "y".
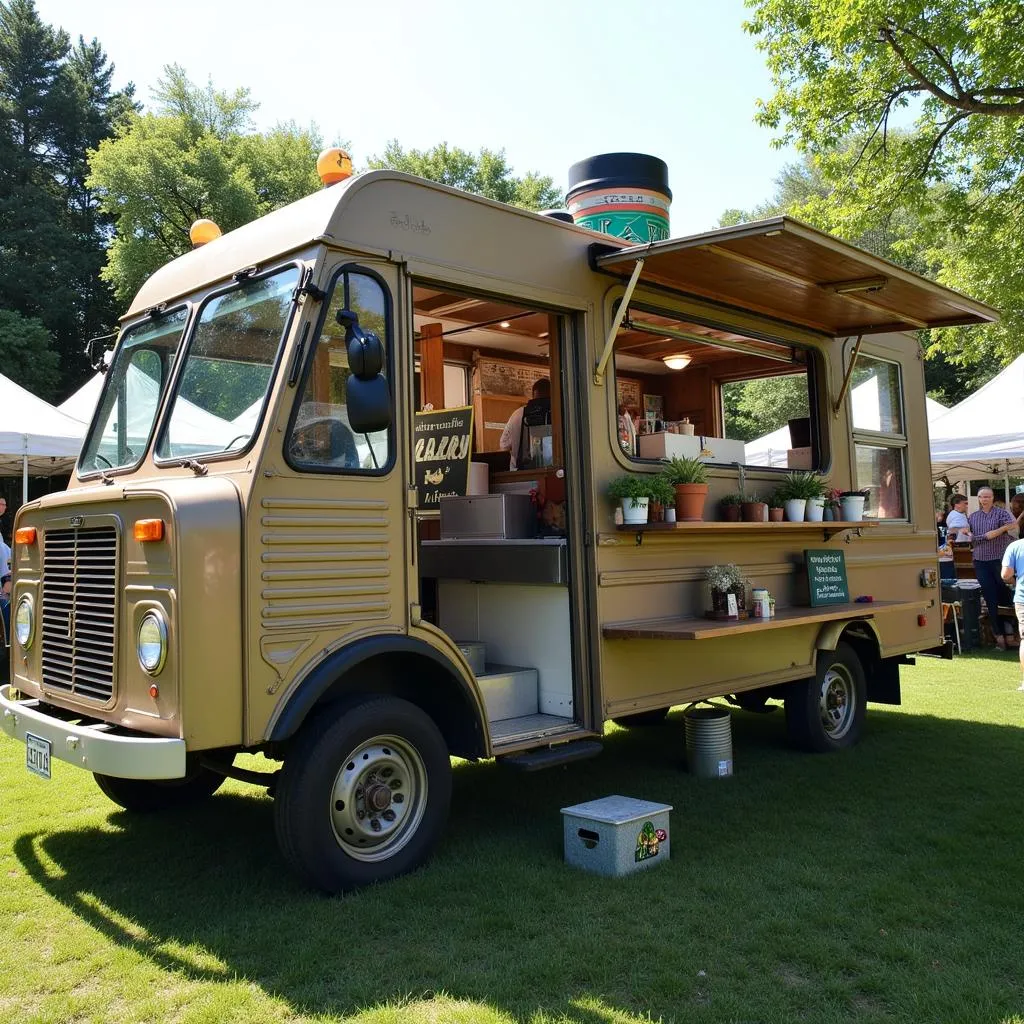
{"x": 952, "y": 610}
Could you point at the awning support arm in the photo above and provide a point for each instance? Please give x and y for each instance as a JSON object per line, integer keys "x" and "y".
{"x": 602, "y": 363}
{"x": 846, "y": 378}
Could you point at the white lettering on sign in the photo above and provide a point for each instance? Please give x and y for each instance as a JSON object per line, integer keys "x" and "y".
{"x": 450, "y": 448}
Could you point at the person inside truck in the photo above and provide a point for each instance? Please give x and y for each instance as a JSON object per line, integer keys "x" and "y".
{"x": 538, "y": 408}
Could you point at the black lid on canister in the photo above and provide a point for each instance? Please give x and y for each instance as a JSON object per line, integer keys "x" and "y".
{"x": 616, "y": 170}
{"x": 558, "y": 215}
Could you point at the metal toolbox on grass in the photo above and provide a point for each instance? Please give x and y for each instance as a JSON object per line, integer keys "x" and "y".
{"x": 616, "y": 835}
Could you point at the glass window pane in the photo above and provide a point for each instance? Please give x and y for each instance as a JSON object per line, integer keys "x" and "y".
{"x": 875, "y": 396}
{"x": 228, "y": 368}
{"x": 132, "y": 393}
{"x": 322, "y": 437}
{"x": 882, "y": 473}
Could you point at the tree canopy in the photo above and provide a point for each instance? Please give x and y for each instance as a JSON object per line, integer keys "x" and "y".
{"x": 949, "y": 74}
{"x": 487, "y": 174}
{"x": 195, "y": 155}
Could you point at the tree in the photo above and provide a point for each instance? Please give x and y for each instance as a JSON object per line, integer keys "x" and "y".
{"x": 55, "y": 102}
{"x": 847, "y": 69}
{"x": 195, "y": 156}
{"x": 756, "y": 407}
{"x": 26, "y": 354}
{"x": 486, "y": 174}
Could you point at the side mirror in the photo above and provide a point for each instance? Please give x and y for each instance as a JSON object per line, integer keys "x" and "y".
{"x": 365, "y": 351}
{"x": 367, "y": 395}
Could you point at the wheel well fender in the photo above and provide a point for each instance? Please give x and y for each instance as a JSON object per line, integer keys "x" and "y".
{"x": 881, "y": 675}
{"x": 399, "y": 665}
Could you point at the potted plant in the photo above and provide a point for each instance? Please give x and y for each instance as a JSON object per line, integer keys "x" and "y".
{"x": 633, "y": 490}
{"x": 796, "y": 490}
{"x": 663, "y": 498}
{"x": 832, "y": 507}
{"x": 852, "y": 505}
{"x": 753, "y": 509}
{"x": 689, "y": 477}
{"x": 776, "y": 510}
{"x": 730, "y": 506}
{"x": 726, "y": 580}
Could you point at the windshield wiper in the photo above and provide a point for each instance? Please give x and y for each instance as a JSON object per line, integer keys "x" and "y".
{"x": 197, "y": 467}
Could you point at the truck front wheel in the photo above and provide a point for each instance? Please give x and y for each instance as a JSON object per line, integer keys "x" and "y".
{"x": 145, "y": 796}
{"x": 827, "y": 712}
{"x": 363, "y": 795}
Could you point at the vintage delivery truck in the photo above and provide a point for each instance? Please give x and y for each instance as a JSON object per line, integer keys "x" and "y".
{"x": 246, "y": 559}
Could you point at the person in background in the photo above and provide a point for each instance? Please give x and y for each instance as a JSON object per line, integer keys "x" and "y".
{"x": 1013, "y": 570}
{"x": 5, "y": 605}
{"x": 958, "y": 530}
{"x": 990, "y": 527}
{"x": 511, "y": 436}
{"x": 5, "y": 549}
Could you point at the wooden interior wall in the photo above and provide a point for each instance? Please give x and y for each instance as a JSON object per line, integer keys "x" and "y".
{"x": 431, "y": 367}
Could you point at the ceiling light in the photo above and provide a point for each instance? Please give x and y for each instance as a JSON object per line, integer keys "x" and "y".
{"x": 504, "y": 323}
{"x": 677, "y": 361}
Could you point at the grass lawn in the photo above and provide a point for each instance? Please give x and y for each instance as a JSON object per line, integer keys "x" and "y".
{"x": 882, "y": 884}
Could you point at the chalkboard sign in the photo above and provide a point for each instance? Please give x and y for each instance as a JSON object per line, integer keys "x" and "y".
{"x": 826, "y": 577}
{"x": 442, "y": 443}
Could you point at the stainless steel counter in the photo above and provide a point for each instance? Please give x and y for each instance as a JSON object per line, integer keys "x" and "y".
{"x": 536, "y": 560}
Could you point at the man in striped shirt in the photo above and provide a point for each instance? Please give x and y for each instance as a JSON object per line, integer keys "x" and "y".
{"x": 991, "y": 526}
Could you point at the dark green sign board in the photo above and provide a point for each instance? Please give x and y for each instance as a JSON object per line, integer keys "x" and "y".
{"x": 826, "y": 577}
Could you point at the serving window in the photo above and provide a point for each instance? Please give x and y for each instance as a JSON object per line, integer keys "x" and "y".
{"x": 695, "y": 389}
{"x": 879, "y": 436}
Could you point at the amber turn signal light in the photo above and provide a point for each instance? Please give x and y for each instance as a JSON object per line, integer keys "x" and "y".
{"x": 25, "y": 535}
{"x": 149, "y": 529}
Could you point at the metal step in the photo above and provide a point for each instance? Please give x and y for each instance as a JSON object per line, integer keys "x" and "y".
{"x": 534, "y": 760}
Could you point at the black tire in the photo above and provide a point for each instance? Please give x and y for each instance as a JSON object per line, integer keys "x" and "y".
{"x": 642, "y": 719}
{"x": 146, "y": 796}
{"x": 826, "y": 713}
{"x": 336, "y": 831}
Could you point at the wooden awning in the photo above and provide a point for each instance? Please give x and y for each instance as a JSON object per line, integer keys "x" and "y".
{"x": 797, "y": 274}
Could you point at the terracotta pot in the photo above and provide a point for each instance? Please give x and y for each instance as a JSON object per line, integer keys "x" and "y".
{"x": 690, "y": 500}
{"x": 753, "y": 511}
{"x": 775, "y": 515}
{"x": 730, "y": 513}
{"x": 655, "y": 512}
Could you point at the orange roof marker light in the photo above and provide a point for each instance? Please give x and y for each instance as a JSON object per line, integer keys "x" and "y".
{"x": 202, "y": 232}
{"x": 333, "y": 165}
{"x": 149, "y": 529}
{"x": 25, "y": 535}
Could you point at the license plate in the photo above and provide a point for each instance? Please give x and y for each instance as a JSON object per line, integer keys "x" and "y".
{"x": 37, "y": 755}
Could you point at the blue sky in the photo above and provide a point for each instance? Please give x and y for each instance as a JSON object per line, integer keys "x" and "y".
{"x": 550, "y": 83}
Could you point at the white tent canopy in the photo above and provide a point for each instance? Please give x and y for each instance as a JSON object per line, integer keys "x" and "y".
{"x": 983, "y": 436}
{"x": 773, "y": 449}
{"x": 35, "y": 438}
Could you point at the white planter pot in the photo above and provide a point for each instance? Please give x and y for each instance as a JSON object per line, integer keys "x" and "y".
{"x": 795, "y": 509}
{"x": 634, "y": 511}
{"x": 815, "y": 510}
{"x": 852, "y": 508}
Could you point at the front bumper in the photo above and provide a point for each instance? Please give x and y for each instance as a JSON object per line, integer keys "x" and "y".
{"x": 93, "y": 746}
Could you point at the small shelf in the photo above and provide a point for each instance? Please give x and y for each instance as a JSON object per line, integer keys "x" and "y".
{"x": 676, "y": 628}
{"x": 714, "y": 528}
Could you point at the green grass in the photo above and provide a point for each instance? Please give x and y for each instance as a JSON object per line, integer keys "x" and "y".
{"x": 883, "y": 884}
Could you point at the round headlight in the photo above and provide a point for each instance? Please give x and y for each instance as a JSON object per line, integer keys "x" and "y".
{"x": 152, "y": 642}
{"x": 24, "y": 622}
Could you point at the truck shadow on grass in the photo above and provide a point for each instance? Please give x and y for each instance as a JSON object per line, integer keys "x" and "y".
{"x": 804, "y": 886}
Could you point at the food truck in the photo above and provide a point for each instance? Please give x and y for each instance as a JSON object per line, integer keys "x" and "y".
{"x": 292, "y": 528}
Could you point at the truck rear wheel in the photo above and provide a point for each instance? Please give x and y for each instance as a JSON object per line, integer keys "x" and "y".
{"x": 827, "y": 712}
{"x": 146, "y": 796}
{"x": 363, "y": 795}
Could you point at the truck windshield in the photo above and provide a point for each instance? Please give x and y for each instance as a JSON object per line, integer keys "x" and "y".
{"x": 228, "y": 368}
{"x": 132, "y": 392}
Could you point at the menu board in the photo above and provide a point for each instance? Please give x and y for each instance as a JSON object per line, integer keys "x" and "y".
{"x": 501, "y": 377}
{"x": 442, "y": 446}
{"x": 628, "y": 391}
{"x": 826, "y": 577}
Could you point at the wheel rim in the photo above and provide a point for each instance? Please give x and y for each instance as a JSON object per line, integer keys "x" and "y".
{"x": 837, "y": 703}
{"x": 378, "y": 798}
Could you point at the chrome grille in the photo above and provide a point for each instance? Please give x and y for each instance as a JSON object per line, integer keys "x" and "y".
{"x": 79, "y": 603}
